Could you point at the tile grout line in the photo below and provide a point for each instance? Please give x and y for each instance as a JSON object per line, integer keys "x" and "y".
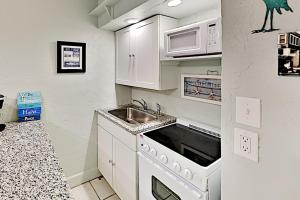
{"x": 109, "y": 196}
{"x": 87, "y": 182}
{"x": 94, "y": 190}
{"x": 97, "y": 193}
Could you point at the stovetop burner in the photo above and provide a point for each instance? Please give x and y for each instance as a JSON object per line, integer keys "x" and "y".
{"x": 195, "y": 145}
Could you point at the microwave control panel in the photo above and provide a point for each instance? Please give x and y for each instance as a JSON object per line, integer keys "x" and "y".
{"x": 214, "y": 36}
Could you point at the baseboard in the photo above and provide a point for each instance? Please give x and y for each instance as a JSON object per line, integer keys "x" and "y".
{"x": 83, "y": 177}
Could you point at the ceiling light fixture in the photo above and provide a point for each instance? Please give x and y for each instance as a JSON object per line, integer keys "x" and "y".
{"x": 174, "y": 3}
{"x": 132, "y": 20}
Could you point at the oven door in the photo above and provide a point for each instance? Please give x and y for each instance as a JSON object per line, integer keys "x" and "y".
{"x": 158, "y": 183}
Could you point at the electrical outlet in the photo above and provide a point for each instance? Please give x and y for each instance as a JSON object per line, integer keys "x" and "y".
{"x": 246, "y": 144}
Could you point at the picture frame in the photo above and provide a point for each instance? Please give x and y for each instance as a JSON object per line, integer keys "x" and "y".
{"x": 289, "y": 54}
{"x": 71, "y": 57}
{"x": 204, "y": 88}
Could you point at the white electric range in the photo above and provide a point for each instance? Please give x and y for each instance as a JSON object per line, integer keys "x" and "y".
{"x": 181, "y": 161}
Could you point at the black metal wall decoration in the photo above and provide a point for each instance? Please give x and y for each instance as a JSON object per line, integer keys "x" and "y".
{"x": 271, "y": 6}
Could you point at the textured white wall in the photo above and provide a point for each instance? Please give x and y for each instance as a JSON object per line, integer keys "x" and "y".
{"x": 250, "y": 69}
{"x": 29, "y": 31}
{"x": 173, "y": 104}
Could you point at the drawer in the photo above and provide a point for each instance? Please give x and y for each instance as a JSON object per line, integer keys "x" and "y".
{"x": 121, "y": 134}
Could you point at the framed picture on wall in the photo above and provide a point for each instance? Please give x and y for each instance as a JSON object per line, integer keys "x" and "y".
{"x": 205, "y": 88}
{"x": 289, "y": 54}
{"x": 71, "y": 57}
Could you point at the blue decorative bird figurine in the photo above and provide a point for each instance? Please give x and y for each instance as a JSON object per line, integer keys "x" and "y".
{"x": 272, "y": 5}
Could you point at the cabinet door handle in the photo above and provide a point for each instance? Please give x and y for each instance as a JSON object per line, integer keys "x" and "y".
{"x": 110, "y": 161}
{"x": 133, "y": 60}
{"x": 113, "y": 164}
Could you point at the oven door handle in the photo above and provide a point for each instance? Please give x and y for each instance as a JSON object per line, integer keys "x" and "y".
{"x": 198, "y": 195}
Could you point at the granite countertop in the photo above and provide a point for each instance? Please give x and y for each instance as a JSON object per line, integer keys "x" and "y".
{"x": 29, "y": 168}
{"x": 161, "y": 120}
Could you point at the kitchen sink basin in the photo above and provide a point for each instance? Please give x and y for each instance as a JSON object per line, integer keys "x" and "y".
{"x": 132, "y": 115}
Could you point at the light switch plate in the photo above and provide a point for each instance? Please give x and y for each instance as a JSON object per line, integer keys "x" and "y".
{"x": 246, "y": 144}
{"x": 248, "y": 111}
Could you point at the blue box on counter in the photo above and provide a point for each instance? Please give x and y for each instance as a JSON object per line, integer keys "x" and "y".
{"x": 25, "y": 98}
{"x": 29, "y": 118}
{"x": 29, "y": 106}
{"x": 29, "y": 112}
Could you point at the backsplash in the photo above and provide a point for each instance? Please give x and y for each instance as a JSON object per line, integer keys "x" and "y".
{"x": 173, "y": 104}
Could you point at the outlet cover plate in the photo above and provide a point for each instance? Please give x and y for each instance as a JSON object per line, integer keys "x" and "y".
{"x": 246, "y": 144}
{"x": 248, "y": 111}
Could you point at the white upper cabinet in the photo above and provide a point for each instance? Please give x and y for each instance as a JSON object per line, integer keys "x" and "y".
{"x": 146, "y": 60}
{"x": 123, "y": 40}
{"x": 138, "y": 51}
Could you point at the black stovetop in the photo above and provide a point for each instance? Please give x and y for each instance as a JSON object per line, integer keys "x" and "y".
{"x": 197, "y": 146}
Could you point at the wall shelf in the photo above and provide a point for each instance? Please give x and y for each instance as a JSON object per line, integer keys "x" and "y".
{"x": 104, "y": 6}
{"x": 218, "y": 56}
{"x": 141, "y": 11}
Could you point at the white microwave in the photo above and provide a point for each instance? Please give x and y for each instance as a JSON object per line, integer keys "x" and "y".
{"x": 196, "y": 39}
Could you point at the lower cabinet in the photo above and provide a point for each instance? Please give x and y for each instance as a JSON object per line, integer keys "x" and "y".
{"x": 124, "y": 171}
{"x": 118, "y": 164}
{"x": 105, "y": 154}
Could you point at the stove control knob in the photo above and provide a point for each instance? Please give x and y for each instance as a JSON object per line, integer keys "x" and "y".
{"x": 176, "y": 167}
{"x": 188, "y": 174}
{"x": 146, "y": 147}
{"x": 164, "y": 159}
{"x": 153, "y": 152}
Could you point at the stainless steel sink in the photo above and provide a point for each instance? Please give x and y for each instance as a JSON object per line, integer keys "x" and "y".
{"x": 132, "y": 115}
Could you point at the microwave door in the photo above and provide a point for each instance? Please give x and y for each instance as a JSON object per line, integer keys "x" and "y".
{"x": 187, "y": 42}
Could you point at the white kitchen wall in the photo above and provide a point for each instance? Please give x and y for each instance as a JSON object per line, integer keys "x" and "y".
{"x": 29, "y": 31}
{"x": 171, "y": 101}
{"x": 250, "y": 69}
{"x": 173, "y": 104}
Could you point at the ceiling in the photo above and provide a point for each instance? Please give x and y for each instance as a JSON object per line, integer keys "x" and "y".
{"x": 153, "y": 7}
{"x": 187, "y": 8}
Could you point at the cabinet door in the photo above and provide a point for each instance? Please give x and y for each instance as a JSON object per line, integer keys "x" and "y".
{"x": 124, "y": 57}
{"x": 146, "y": 55}
{"x": 124, "y": 171}
{"x": 105, "y": 154}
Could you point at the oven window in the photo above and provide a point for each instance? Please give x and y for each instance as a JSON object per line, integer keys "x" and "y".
{"x": 162, "y": 192}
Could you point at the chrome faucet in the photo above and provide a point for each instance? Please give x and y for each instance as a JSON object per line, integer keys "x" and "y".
{"x": 158, "y": 109}
{"x": 143, "y": 103}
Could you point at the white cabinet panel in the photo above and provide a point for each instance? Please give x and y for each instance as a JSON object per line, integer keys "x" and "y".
{"x": 105, "y": 154}
{"x": 146, "y": 63}
{"x": 117, "y": 158}
{"x": 138, "y": 50}
{"x": 123, "y": 57}
{"x": 124, "y": 171}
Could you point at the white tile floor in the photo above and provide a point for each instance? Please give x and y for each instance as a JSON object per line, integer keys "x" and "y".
{"x": 97, "y": 189}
